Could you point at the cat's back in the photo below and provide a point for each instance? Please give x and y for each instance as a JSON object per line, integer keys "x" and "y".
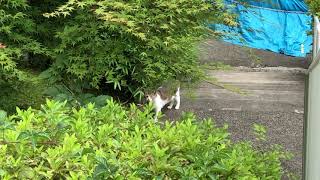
{"x": 168, "y": 89}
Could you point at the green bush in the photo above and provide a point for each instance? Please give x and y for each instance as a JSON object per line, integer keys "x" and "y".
{"x": 121, "y": 47}
{"x": 22, "y": 94}
{"x": 131, "y": 45}
{"x": 22, "y": 32}
{"x": 114, "y": 142}
{"x": 18, "y": 32}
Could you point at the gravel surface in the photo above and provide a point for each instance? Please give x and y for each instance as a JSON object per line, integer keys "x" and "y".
{"x": 275, "y": 99}
{"x": 283, "y": 128}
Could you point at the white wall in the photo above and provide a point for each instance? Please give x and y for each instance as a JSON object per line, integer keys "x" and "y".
{"x": 313, "y": 127}
{"x": 312, "y": 162}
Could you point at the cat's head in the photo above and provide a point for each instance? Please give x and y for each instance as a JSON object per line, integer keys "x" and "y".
{"x": 2, "y": 46}
{"x": 148, "y": 97}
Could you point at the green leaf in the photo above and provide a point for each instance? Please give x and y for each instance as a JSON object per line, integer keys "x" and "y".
{"x": 3, "y": 115}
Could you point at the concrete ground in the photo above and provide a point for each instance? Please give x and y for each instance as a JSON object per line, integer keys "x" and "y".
{"x": 274, "y": 98}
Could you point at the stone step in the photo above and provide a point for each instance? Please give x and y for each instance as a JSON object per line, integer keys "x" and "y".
{"x": 257, "y": 77}
{"x": 258, "y": 86}
{"x": 264, "y": 92}
{"x": 254, "y": 95}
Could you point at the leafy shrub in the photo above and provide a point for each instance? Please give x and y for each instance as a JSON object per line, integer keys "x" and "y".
{"x": 23, "y": 94}
{"x": 130, "y": 45}
{"x": 74, "y": 98}
{"x": 114, "y": 142}
{"x": 24, "y": 54}
{"x": 122, "y": 46}
{"x": 17, "y": 32}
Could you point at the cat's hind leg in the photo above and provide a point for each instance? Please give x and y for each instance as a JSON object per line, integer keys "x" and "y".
{"x": 171, "y": 102}
{"x": 177, "y": 99}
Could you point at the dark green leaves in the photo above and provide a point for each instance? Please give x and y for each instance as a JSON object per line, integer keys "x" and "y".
{"x": 103, "y": 169}
{"x": 34, "y": 137}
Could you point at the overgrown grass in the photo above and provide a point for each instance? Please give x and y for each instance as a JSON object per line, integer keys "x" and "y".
{"x": 216, "y": 66}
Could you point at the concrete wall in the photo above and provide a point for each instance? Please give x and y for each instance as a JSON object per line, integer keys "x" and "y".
{"x": 213, "y": 50}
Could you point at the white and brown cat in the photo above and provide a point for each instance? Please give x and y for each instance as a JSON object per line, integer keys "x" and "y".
{"x": 163, "y": 96}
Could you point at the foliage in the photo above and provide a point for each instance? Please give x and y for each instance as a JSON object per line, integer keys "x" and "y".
{"x": 22, "y": 53}
{"x": 117, "y": 46}
{"x": 113, "y": 142}
{"x": 17, "y": 31}
{"x": 74, "y": 98}
{"x": 314, "y": 6}
{"x": 130, "y": 45}
{"x": 260, "y": 132}
{"x": 23, "y": 94}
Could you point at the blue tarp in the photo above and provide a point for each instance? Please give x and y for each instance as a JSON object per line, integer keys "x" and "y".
{"x": 280, "y": 26}
{"x": 286, "y": 5}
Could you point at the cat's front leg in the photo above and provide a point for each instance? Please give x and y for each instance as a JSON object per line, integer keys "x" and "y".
{"x": 178, "y": 102}
{"x": 158, "y": 110}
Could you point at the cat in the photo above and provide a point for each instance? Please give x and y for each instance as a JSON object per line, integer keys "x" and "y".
{"x": 162, "y": 96}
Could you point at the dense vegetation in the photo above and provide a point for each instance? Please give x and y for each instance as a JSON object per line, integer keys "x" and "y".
{"x": 116, "y": 47}
{"x": 113, "y": 142}
{"x": 83, "y": 51}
